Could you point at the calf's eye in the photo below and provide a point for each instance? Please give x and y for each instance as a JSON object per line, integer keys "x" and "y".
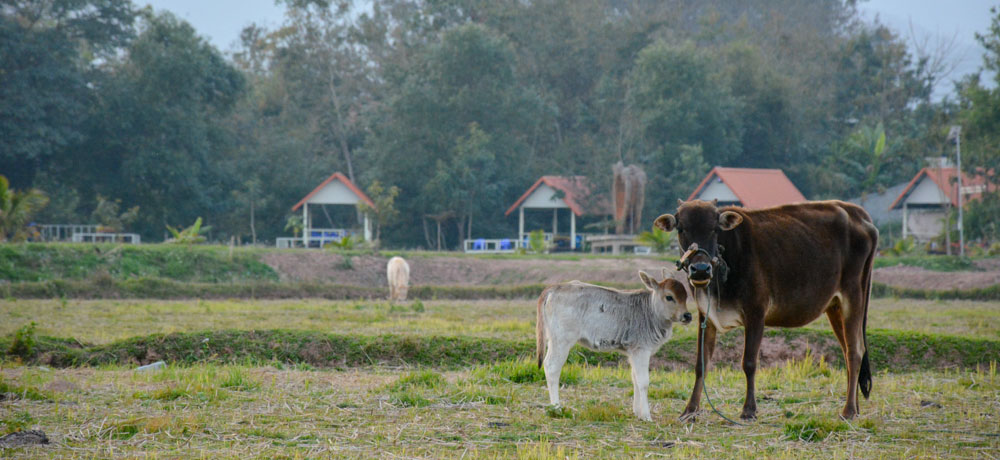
{"x": 670, "y": 298}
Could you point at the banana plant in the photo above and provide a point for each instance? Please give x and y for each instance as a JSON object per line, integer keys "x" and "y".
{"x": 190, "y": 235}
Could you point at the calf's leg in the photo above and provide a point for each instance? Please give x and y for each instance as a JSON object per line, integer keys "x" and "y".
{"x": 707, "y": 336}
{"x": 639, "y": 359}
{"x": 555, "y": 357}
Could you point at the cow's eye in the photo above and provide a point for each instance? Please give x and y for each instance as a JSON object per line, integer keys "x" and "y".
{"x": 670, "y": 298}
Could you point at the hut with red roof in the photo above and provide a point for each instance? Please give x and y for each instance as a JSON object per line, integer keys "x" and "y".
{"x": 927, "y": 198}
{"x": 335, "y": 190}
{"x": 750, "y": 188}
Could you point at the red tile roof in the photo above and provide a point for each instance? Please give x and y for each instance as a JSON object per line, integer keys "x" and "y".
{"x": 576, "y": 193}
{"x": 342, "y": 178}
{"x": 946, "y": 181}
{"x": 755, "y": 188}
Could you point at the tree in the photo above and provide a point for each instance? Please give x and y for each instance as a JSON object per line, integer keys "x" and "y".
{"x": 16, "y": 210}
{"x": 385, "y": 211}
{"x": 49, "y": 52}
{"x": 107, "y": 215}
{"x": 160, "y": 133}
{"x": 686, "y": 116}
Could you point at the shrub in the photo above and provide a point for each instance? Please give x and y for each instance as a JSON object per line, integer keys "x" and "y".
{"x": 24, "y": 341}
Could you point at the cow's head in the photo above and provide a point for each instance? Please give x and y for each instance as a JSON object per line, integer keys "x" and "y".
{"x": 698, "y": 224}
{"x": 668, "y": 296}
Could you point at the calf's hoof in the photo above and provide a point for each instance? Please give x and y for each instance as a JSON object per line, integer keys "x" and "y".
{"x": 689, "y": 415}
{"x": 848, "y": 414}
{"x": 748, "y": 415}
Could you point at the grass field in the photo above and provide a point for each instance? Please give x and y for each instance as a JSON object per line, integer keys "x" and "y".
{"x": 425, "y": 407}
{"x": 103, "y": 321}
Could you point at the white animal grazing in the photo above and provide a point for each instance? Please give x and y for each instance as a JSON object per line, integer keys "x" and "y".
{"x": 634, "y": 322}
{"x": 398, "y": 272}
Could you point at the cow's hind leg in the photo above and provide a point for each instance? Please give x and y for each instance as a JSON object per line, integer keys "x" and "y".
{"x": 854, "y": 316}
{"x": 836, "y": 316}
{"x": 639, "y": 359}
{"x": 707, "y": 336}
{"x": 555, "y": 357}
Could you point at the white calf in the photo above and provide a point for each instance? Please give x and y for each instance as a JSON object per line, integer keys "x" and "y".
{"x": 398, "y": 272}
{"x": 603, "y": 319}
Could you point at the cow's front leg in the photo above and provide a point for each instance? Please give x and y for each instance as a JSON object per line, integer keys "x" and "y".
{"x": 754, "y": 333}
{"x": 706, "y": 336}
{"x": 640, "y": 383}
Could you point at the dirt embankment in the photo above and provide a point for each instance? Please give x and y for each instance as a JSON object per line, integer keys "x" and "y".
{"x": 317, "y": 266}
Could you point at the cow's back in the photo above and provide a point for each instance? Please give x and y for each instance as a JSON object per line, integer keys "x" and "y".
{"x": 398, "y": 272}
{"x": 800, "y": 255}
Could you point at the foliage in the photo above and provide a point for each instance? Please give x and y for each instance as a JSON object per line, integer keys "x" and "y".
{"x": 345, "y": 243}
{"x": 23, "y": 344}
{"x": 385, "y": 211}
{"x": 536, "y": 241}
{"x": 903, "y": 247}
{"x": 982, "y": 218}
{"x": 658, "y": 239}
{"x": 461, "y": 105}
{"x": 107, "y": 215}
{"x": 295, "y": 224}
{"x": 16, "y": 210}
{"x": 189, "y": 235}
{"x": 64, "y": 261}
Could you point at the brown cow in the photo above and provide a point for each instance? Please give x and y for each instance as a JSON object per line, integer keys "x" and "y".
{"x": 781, "y": 267}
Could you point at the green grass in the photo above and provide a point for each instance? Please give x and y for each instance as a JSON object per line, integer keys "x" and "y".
{"x": 362, "y": 414}
{"x": 105, "y": 263}
{"x": 103, "y": 321}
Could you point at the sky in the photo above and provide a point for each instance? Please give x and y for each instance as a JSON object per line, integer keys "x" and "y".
{"x": 929, "y": 22}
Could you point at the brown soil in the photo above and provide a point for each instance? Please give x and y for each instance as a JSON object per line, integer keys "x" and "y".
{"x": 315, "y": 266}
{"x": 321, "y": 266}
{"x": 921, "y": 278}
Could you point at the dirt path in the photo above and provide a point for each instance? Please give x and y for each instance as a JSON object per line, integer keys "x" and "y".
{"x": 317, "y": 266}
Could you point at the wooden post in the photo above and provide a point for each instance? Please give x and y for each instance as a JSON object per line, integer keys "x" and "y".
{"x": 905, "y": 222}
{"x": 572, "y": 230}
{"x": 305, "y": 225}
{"x": 555, "y": 223}
{"x": 368, "y": 228}
{"x": 520, "y": 226}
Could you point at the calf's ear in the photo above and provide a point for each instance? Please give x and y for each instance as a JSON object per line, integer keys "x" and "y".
{"x": 665, "y": 222}
{"x": 729, "y": 220}
{"x": 650, "y": 283}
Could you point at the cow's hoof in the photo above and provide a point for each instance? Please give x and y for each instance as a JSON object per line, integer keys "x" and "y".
{"x": 847, "y": 415}
{"x": 689, "y": 415}
{"x": 748, "y": 415}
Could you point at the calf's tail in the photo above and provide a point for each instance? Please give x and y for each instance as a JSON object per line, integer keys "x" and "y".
{"x": 540, "y": 330}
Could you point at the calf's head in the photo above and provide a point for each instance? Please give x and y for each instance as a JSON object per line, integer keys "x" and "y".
{"x": 668, "y": 296}
{"x": 698, "y": 224}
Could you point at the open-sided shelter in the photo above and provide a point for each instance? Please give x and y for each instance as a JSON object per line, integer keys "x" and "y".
{"x": 555, "y": 193}
{"x": 335, "y": 190}
{"x": 926, "y": 199}
{"x": 747, "y": 187}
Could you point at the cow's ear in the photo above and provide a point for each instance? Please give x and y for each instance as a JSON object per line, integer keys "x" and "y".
{"x": 665, "y": 273}
{"x": 650, "y": 283}
{"x": 729, "y": 220}
{"x": 680, "y": 202}
{"x": 665, "y": 222}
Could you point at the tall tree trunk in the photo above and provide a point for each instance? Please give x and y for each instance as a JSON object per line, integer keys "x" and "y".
{"x": 341, "y": 131}
{"x": 253, "y": 228}
{"x": 427, "y": 233}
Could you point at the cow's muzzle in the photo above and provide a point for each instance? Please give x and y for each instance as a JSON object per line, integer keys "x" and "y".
{"x": 686, "y": 318}
{"x": 700, "y": 273}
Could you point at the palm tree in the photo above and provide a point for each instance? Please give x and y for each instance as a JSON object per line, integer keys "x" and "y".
{"x": 16, "y": 209}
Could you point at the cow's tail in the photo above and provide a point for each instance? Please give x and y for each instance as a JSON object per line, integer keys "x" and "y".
{"x": 540, "y": 330}
{"x": 865, "y": 374}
